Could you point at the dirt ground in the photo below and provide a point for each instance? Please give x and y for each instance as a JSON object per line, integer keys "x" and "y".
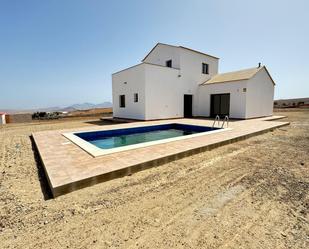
{"x": 249, "y": 194}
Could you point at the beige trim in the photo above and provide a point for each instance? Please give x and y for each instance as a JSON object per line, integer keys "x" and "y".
{"x": 221, "y": 82}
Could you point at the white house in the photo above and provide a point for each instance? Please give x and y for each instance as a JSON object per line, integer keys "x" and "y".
{"x": 176, "y": 82}
{"x": 2, "y": 118}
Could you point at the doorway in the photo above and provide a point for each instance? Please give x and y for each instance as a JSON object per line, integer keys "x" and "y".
{"x": 187, "y": 106}
{"x": 220, "y": 105}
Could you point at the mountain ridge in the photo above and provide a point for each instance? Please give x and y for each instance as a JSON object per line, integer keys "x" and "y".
{"x": 70, "y": 108}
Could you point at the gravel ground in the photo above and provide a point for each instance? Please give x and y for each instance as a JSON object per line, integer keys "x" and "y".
{"x": 249, "y": 194}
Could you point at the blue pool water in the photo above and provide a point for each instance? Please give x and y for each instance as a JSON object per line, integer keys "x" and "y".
{"x": 122, "y": 137}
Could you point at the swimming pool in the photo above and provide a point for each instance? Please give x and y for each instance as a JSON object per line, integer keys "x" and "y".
{"x": 114, "y": 140}
{"x": 123, "y": 137}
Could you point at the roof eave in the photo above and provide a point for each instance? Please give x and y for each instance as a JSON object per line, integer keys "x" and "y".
{"x": 269, "y": 75}
{"x": 192, "y": 50}
{"x": 218, "y": 82}
{"x": 127, "y": 68}
{"x": 159, "y": 43}
{"x": 195, "y": 51}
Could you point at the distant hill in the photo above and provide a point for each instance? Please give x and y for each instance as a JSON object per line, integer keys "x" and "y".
{"x": 299, "y": 102}
{"x": 71, "y": 108}
{"x": 291, "y": 100}
{"x": 87, "y": 106}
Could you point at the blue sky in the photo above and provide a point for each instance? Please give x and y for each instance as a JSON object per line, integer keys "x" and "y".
{"x": 60, "y": 52}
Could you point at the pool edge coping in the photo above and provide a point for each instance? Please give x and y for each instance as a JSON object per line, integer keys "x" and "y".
{"x": 94, "y": 151}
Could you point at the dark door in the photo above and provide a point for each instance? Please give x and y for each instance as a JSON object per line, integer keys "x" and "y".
{"x": 220, "y": 105}
{"x": 187, "y": 106}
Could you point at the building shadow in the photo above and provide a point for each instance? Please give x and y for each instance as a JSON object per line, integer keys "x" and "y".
{"x": 47, "y": 193}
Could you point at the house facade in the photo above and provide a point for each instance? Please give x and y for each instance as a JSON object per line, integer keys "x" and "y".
{"x": 176, "y": 82}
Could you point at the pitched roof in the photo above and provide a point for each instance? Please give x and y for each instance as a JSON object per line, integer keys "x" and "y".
{"x": 235, "y": 76}
{"x": 195, "y": 51}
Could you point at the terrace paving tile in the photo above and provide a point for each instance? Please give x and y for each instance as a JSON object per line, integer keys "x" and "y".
{"x": 68, "y": 167}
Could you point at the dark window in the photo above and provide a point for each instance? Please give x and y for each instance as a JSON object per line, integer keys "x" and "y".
{"x": 220, "y": 105}
{"x": 135, "y": 97}
{"x": 205, "y": 68}
{"x": 168, "y": 63}
{"x": 122, "y": 101}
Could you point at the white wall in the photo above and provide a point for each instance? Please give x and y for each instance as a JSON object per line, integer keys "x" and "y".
{"x": 163, "y": 53}
{"x": 165, "y": 90}
{"x": 191, "y": 73}
{"x": 163, "y": 87}
{"x": 2, "y": 119}
{"x": 260, "y": 95}
{"x": 237, "y": 97}
{"x": 135, "y": 83}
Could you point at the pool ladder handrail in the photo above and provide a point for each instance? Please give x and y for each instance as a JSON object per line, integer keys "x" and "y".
{"x": 217, "y": 118}
{"x": 226, "y": 119}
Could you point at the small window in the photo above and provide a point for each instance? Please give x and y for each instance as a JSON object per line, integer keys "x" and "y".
{"x": 244, "y": 89}
{"x": 135, "y": 97}
{"x": 122, "y": 101}
{"x": 168, "y": 63}
{"x": 205, "y": 68}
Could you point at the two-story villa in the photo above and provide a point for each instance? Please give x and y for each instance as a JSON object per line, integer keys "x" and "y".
{"x": 176, "y": 82}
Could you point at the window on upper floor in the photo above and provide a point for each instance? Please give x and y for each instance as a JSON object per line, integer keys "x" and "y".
{"x": 205, "y": 68}
{"x": 122, "y": 101}
{"x": 135, "y": 97}
{"x": 168, "y": 63}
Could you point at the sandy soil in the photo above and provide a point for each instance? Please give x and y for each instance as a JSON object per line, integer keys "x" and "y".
{"x": 250, "y": 194}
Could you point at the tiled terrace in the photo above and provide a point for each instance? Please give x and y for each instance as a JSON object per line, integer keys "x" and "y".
{"x": 68, "y": 167}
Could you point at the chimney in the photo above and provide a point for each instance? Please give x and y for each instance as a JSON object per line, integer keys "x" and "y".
{"x": 259, "y": 65}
